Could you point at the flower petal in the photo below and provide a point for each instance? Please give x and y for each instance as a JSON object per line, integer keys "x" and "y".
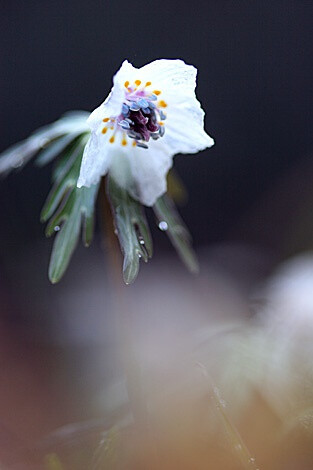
{"x": 149, "y": 169}
{"x": 113, "y": 104}
{"x": 96, "y": 161}
{"x": 142, "y": 172}
{"x": 172, "y": 75}
{"x": 184, "y": 127}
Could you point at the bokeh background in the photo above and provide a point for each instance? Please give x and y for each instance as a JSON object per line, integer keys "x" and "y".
{"x": 250, "y": 205}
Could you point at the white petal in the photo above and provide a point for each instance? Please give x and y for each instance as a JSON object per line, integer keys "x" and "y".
{"x": 142, "y": 172}
{"x": 96, "y": 161}
{"x": 171, "y": 75}
{"x": 149, "y": 169}
{"x": 112, "y": 106}
{"x": 127, "y": 72}
{"x": 184, "y": 132}
{"x": 109, "y": 108}
{"x": 120, "y": 168}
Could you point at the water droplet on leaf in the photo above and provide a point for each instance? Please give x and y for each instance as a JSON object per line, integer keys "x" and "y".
{"x": 18, "y": 164}
{"x": 163, "y": 225}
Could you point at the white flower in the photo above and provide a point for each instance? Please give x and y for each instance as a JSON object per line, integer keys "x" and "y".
{"x": 150, "y": 115}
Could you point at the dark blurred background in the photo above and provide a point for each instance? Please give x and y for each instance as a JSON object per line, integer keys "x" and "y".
{"x": 253, "y": 189}
{"x": 255, "y": 84}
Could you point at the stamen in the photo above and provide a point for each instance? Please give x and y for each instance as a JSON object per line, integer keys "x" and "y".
{"x": 134, "y": 106}
{"x": 124, "y": 124}
{"x": 142, "y": 103}
{"x": 162, "y": 115}
{"x": 104, "y": 130}
{"x": 139, "y": 116}
{"x": 142, "y": 145}
{"x": 125, "y": 109}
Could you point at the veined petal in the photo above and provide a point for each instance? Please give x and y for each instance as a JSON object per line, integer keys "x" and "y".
{"x": 142, "y": 172}
{"x": 126, "y": 72}
{"x": 110, "y": 107}
{"x": 113, "y": 104}
{"x": 184, "y": 128}
{"x": 96, "y": 161}
{"x": 149, "y": 169}
{"x": 172, "y": 75}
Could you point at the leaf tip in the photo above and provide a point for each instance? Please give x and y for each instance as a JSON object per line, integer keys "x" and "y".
{"x": 53, "y": 280}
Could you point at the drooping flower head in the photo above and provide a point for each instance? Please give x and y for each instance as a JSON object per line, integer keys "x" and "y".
{"x": 150, "y": 115}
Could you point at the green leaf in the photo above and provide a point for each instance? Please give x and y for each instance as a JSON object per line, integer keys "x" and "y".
{"x": 55, "y": 148}
{"x": 171, "y": 222}
{"x": 65, "y": 178}
{"x": 77, "y": 212}
{"x": 132, "y": 229}
{"x": 50, "y": 140}
{"x": 70, "y": 210}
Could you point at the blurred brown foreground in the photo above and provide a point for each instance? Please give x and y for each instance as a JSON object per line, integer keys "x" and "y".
{"x": 175, "y": 372}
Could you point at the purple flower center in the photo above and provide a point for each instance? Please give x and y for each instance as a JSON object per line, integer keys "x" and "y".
{"x": 139, "y": 119}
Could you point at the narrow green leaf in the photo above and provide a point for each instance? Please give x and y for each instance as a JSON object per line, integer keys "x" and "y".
{"x": 171, "y": 222}
{"x": 66, "y": 180}
{"x": 54, "y": 149}
{"x": 77, "y": 211}
{"x": 132, "y": 229}
{"x": 50, "y": 140}
{"x": 70, "y": 209}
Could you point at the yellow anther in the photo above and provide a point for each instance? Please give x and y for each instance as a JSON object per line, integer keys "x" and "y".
{"x": 148, "y": 84}
{"x": 112, "y": 139}
{"x": 134, "y": 143}
{"x": 106, "y": 119}
{"x": 104, "y": 130}
{"x": 137, "y": 82}
{"x": 162, "y": 104}
{"x": 156, "y": 92}
{"x": 124, "y": 142}
{"x": 161, "y": 123}
{"x": 126, "y": 84}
